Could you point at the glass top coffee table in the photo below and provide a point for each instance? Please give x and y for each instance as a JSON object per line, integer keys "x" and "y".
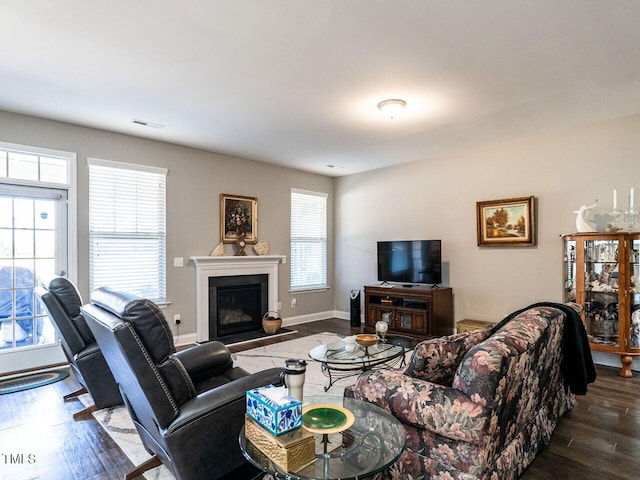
{"x": 340, "y": 362}
{"x": 369, "y": 446}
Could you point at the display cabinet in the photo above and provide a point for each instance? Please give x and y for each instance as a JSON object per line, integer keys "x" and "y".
{"x": 602, "y": 273}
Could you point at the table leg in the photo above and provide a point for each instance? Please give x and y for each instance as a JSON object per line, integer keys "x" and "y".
{"x": 327, "y": 371}
{"x": 402, "y": 361}
{"x": 325, "y": 449}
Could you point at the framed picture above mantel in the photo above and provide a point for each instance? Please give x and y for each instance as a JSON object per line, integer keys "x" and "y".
{"x": 509, "y": 222}
{"x": 238, "y": 218}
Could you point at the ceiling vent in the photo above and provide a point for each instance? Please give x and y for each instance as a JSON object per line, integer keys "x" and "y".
{"x": 144, "y": 123}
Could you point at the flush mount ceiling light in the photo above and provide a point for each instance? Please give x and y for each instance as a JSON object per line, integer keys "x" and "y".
{"x": 392, "y": 107}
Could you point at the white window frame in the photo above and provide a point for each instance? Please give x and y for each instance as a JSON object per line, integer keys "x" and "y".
{"x": 314, "y": 236}
{"x": 159, "y": 234}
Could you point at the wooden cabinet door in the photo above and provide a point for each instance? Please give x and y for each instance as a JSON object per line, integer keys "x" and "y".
{"x": 410, "y": 320}
{"x": 375, "y": 314}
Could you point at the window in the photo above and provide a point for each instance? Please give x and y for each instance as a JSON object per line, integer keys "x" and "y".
{"x": 33, "y": 165}
{"x": 127, "y": 234}
{"x": 308, "y": 240}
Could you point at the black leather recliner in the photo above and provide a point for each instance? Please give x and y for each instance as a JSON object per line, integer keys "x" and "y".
{"x": 62, "y": 303}
{"x": 187, "y": 406}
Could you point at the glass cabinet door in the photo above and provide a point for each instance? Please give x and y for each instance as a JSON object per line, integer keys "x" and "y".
{"x": 601, "y": 292}
{"x": 569, "y": 258}
{"x": 634, "y": 295}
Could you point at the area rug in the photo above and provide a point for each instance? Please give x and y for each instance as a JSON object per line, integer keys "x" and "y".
{"x": 118, "y": 424}
{"x": 32, "y": 380}
{"x": 274, "y": 355}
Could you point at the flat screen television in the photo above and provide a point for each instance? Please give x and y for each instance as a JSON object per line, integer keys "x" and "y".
{"x": 410, "y": 261}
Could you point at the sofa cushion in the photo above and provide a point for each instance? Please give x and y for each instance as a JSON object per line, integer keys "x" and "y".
{"x": 437, "y": 359}
{"x": 484, "y": 365}
{"x": 423, "y": 404}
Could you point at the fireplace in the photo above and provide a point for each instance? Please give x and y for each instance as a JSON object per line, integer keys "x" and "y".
{"x": 237, "y": 304}
{"x": 221, "y": 267}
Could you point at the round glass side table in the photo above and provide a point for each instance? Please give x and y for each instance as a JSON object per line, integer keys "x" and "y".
{"x": 369, "y": 446}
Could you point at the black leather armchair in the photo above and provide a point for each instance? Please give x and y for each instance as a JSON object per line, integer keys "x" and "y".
{"x": 187, "y": 406}
{"x": 62, "y": 303}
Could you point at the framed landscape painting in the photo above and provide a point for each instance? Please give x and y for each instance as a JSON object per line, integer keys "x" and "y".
{"x": 238, "y": 215}
{"x": 506, "y": 223}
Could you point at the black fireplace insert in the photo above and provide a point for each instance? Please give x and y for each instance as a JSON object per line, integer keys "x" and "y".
{"x": 237, "y": 304}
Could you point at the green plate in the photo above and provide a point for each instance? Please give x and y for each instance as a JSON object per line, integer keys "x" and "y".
{"x": 323, "y": 417}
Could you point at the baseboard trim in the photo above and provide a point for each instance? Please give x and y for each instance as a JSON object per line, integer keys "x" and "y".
{"x": 613, "y": 360}
{"x": 312, "y": 317}
{"x": 186, "y": 339}
{"x": 342, "y": 315}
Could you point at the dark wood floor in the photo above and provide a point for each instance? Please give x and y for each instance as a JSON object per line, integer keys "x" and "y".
{"x": 599, "y": 439}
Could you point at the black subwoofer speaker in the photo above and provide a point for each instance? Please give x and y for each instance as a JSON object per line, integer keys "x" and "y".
{"x": 355, "y": 308}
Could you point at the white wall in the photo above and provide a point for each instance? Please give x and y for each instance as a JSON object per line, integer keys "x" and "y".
{"x": 436, "y": 199}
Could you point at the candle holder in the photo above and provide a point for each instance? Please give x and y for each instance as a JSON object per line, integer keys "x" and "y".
{"x": 615, "y": 215}
{"x": 630, "y": 218}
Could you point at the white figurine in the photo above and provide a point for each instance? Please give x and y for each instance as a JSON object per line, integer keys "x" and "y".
{"x": 218, "y": 251}
{"x": 581, "y": 221}
{"x": 261, "y": 247}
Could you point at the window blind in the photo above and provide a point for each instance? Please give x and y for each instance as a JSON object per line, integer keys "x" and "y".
{"x": 308, "y": 240}
{"x": 127, "y": 228}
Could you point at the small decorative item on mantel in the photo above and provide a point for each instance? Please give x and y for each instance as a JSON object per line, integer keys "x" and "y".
{"x": 271, "y": 322}
{"x": 218, "y": 251}
{"x": 261, "y": 248}
{"x": 240, "y": 244}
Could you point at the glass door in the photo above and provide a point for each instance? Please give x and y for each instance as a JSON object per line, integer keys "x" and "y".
{"x": 569, "y": 271}
{"x": 601, "y": 292}
{"x": 33, "y": 249}
{"x": 634, "y": 261}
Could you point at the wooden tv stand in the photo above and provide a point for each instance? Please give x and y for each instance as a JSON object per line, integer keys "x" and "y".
{"x": 418, "y": 310}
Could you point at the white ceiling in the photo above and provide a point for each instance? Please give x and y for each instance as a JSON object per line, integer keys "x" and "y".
{"x": 296, "y": 82}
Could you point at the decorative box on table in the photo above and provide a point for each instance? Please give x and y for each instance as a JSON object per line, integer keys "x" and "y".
{"x": 272, "y": 408}
{"x": 289, "y": 451}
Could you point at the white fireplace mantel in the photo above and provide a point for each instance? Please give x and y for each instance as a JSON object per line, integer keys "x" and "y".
{"x": 207, "y": 267}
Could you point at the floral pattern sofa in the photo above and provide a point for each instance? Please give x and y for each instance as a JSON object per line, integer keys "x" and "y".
{"x": 477, "y": 405}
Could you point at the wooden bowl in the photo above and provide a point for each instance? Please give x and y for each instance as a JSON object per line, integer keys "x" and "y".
{"x": 367, "y": 339}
